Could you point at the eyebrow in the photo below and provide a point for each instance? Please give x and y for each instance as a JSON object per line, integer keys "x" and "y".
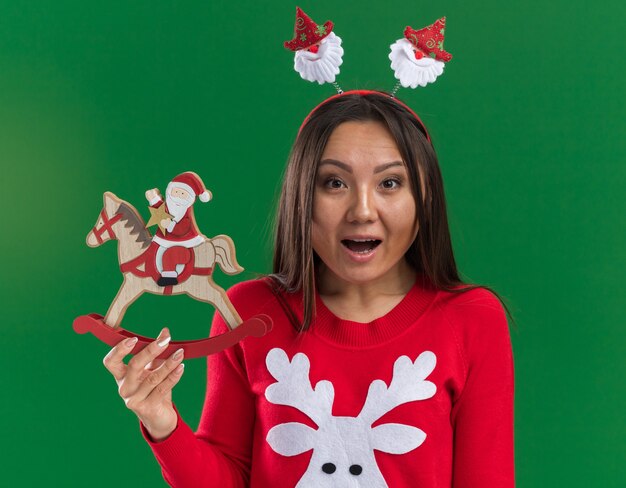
{"x": 345, "y": 167}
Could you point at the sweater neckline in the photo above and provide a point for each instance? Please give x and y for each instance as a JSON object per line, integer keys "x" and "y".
{"x": 382, "y": 329}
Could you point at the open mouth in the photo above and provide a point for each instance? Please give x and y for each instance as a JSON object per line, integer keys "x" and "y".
{"x": 361, "y": 246}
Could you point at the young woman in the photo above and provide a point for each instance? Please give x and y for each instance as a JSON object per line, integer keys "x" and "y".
{"x": 383, "y": 368}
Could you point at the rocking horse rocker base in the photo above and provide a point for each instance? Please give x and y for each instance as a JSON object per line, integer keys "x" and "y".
{"x": 256, "y": 326}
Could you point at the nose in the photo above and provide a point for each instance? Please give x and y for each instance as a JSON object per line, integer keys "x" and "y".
{"x": 363, "y": 207}
{"x": 314, "y": 48}
{"x": 91, "y": 239}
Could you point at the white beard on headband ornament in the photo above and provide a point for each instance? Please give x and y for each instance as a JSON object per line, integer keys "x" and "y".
{"x": 419, "y": 57}
{"x": 321, "y": 61}
{"x": 318, "y": 51}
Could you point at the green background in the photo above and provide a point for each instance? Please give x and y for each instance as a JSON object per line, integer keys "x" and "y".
{"x": 528, "y": 123}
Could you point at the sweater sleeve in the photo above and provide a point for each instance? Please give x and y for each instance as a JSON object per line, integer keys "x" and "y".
{"x": 482, "y": 414}
{"x": 218, "y": 453}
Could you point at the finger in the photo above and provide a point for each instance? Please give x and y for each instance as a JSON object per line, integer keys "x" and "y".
{"x": 140, "y": 361}
{"x": 149, "y": 368}
{"x": 154, "y": 364}
{"x": 165, "y": 387}
{"x": 113, "y": 361}
{"x": 154, "y": 379}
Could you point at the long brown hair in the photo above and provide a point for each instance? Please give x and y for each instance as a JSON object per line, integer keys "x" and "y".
{"x": 431, "y": 252}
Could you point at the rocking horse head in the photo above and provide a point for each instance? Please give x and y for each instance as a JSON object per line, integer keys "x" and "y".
{"x": 107, "y": 218}
{"x": 116, "y": 214}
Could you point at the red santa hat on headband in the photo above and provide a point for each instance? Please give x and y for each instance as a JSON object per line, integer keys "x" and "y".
{"x": 306, "y": 32}
{"x": 192, "y": 183}
{"x": 429, "y": 40}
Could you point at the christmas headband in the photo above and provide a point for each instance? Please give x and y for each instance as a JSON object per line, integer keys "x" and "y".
{"x": 416, "y": 59}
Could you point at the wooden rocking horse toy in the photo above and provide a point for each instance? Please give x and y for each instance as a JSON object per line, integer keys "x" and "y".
{"x": 177, "y": 259}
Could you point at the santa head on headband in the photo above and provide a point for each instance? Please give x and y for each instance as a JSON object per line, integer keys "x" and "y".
{"x": 419, "y": 58}
{"x": 318, "y": 50}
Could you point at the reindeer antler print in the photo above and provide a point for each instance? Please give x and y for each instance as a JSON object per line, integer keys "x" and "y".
{"x": 408, "y": 385}
{"x": 343, "y": 447}
{"x": 293, "y": 387}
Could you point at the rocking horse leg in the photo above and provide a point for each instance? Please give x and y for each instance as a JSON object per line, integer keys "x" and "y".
{"x": 129, "y": 291}
{"x": 204, "y": 289}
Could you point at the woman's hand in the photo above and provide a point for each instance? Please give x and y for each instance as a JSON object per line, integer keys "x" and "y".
{"x": 146, "y": 383}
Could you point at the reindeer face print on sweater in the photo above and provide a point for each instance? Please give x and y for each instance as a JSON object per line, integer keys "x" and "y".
{"x": 343, "y": 447}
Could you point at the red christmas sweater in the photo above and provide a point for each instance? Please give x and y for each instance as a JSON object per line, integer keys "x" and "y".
{"x": 421, "y": 397}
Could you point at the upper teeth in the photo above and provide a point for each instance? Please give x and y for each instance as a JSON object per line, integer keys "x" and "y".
{"x": 363, "y": 240}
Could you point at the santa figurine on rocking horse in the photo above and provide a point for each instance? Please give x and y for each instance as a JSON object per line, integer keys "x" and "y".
{"x": 177, "y": 259}
{"x": 177, "y": 233}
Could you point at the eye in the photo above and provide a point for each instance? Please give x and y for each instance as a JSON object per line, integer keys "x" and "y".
{"x": 391, "y": 183}
{"x": 333, "y": 183}
{"x": 329, "y": 468}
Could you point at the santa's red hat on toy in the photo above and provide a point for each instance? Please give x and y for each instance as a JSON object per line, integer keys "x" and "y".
{"x": 192, "y": 183}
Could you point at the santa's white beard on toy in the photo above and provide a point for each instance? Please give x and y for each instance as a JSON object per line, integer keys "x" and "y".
{"x": 411, "y": 71}
{"x": 177, "y": 207}
{"x": 322, "y": 66}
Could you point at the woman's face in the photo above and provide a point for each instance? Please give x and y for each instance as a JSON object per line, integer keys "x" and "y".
{"x": 364, "y": 214}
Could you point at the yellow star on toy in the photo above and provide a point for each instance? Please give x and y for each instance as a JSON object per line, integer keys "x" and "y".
{"x": 156, "y": 216}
